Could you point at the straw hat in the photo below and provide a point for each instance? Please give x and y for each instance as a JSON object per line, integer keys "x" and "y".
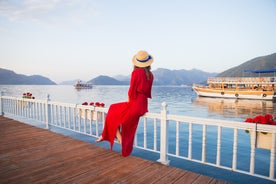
{"x": 142, "y": 59}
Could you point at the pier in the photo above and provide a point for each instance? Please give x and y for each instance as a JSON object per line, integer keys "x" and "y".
{"x": 33, "y": 155}
{"x": 203, "y": 142}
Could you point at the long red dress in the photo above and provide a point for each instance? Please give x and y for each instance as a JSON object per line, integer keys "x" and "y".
{"x": 127, "y": 114}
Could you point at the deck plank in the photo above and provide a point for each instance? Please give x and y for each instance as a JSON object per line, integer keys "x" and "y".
{"x": 33, "y": 155}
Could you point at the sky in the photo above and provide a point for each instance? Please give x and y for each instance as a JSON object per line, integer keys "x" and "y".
{"x": 82, "y": 39}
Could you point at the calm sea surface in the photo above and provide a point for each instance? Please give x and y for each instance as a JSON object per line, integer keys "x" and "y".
{"x": 180, "y": 100}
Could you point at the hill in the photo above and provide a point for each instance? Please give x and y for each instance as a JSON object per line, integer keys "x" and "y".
{"x": 259, "y": 63}
{"x": 180, "y": 77}
{"x": 11, "y": 78}
{"x": 71, "y": 82}
{"x": 161, "y": 77}
{"x": 106, "y": 80}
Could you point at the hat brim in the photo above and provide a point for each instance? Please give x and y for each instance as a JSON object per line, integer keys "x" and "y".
{"x": 142, "y": 64}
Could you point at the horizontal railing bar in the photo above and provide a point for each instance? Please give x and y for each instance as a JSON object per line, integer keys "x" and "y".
{"x": 222, "y": 123}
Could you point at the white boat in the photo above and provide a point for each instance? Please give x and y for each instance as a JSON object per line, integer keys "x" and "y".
{"x": 82, "y": 85}
{"x": 262, "y": 88}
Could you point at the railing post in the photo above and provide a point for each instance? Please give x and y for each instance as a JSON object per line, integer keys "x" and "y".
{"x": 48, "y": 111}
{"x": 164, "y": 136}
{"x": 1, "y": 104}
{"x": 272, "y": 157}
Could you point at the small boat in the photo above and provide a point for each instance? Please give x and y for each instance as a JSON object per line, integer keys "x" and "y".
{"x": 261, "y": 88}
{"x": 82, "y": 85}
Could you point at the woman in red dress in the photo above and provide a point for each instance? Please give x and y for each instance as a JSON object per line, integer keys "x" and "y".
{"x": 122, "y": 118}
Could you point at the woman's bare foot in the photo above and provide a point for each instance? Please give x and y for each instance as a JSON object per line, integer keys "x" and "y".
{"x": 100, "y": 139}
{"x": 119, "y": 136}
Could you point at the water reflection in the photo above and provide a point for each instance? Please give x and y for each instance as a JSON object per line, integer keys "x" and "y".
{"x": 235, "y": 108}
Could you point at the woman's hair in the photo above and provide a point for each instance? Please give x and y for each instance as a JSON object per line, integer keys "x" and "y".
{"x": 147, "y": 69}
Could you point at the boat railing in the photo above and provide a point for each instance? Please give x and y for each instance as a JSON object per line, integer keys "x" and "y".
{"x": 223, "y": 144}
{"x": 242, "y": 80}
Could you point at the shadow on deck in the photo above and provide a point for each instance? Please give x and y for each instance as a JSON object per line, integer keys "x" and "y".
{"x": 33, "y": 155}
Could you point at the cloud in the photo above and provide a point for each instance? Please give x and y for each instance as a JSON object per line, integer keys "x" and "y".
{"x": 26, "y": 9}
{"x": 48, "y": 11}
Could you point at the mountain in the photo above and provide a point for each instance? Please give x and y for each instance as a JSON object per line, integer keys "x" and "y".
{"x": 106, "y": 80}
{"x": 162, "y": 76}
{"x": 71, "y": 82}
{"x": 122, "y": 77}
{"x": 10, "y": 77}
{"x": 180, "y": 77}
{"x": 259, "y": 63}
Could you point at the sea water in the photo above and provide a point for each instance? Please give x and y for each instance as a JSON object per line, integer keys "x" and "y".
{"x": 180, "y": 101}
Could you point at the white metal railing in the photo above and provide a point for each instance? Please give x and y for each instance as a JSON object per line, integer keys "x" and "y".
{"x": 242, "y": 80}
{"x": 222, "y": 144}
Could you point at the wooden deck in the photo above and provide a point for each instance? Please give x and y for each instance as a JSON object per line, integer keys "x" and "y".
{"x": 32, "y": 155}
